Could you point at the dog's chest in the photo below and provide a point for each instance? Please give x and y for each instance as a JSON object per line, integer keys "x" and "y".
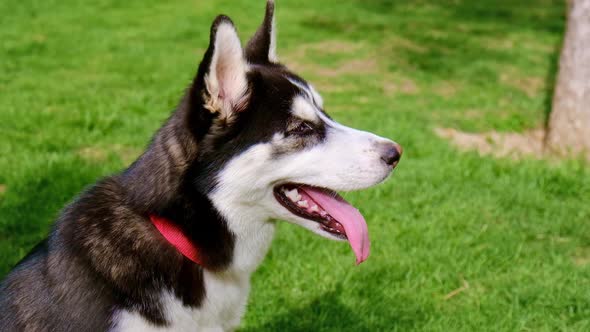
{"x": 221, "y": 309}
{"x": 226, "y": 294}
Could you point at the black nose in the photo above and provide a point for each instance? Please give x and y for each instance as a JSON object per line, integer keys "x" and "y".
{"x": 391, "y": 154}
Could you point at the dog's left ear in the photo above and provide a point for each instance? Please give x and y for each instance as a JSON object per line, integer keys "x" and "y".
{"x": 223, "y": 71}
{"x": 262, "y": 47}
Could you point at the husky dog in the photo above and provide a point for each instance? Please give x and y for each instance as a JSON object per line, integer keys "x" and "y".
{"x": 170, "y": 243}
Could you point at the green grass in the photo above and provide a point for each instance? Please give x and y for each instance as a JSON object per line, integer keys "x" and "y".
{"x": 83, "y": 86}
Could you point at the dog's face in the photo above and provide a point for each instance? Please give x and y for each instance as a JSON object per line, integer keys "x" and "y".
{"x": 272, "y": 152}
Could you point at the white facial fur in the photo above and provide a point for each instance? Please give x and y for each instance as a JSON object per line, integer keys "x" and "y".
{"x": 347, "y": 159}
{"x": 304, "y": 110}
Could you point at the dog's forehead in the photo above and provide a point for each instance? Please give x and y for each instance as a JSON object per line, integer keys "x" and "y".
{"x": 288, "y": 89}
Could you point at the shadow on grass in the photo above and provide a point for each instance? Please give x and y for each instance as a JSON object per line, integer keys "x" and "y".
{"x": 545, "y": 15}
{"x": 471, "y": 45}
{"x": 325, "y": 309}
{"x": 504, "y": 15}
{"x": 369, "y": 309}
{"x": 451, "y": 38}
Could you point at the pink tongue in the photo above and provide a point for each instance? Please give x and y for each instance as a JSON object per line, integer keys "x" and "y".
{"x": 351, "y": 219}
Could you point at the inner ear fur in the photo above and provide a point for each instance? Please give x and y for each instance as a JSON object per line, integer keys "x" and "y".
{"x": 225, "y": 82}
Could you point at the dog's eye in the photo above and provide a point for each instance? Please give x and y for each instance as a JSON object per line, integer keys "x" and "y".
{"x": 304, "y": 128}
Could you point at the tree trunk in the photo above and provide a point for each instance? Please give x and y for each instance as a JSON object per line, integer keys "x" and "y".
{"x": 569, "y": 122}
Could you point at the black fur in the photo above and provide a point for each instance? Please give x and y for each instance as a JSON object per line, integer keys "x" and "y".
{"x": 103, "y": 253}
{"x": 258, "y": 48}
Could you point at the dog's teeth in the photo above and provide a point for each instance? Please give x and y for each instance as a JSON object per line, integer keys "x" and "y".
{"x": 314, "y": 208}
{"x": 292, "y": 194}
{"x": 303, "y": 204}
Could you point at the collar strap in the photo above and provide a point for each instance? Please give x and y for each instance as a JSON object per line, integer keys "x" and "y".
{"x": 174, "y": 235}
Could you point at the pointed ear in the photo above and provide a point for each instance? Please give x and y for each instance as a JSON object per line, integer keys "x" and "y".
{"x": 262, "y": 47}
{"x": 223, "y": 70}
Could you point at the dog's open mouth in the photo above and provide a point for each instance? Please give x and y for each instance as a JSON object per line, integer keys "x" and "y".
{"x": 334, "y": 215}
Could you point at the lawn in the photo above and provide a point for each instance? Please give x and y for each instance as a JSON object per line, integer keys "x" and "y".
{"x": 460, "y": 241}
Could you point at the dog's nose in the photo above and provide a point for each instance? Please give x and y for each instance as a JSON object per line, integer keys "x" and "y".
{"x": 391, "y": 154}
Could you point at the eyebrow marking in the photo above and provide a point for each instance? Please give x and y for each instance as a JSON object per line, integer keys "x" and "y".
{"x": 303, "y": 109}
{"x": 309, "y": 92}
{"x": 315, "y": 101}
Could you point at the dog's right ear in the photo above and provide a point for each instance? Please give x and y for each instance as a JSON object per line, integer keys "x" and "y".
{"x": 221, "y": 81}
{"x": 262, "y": 47}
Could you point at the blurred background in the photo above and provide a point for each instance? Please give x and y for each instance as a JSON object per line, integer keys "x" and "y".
{"x": 481, "y": 228}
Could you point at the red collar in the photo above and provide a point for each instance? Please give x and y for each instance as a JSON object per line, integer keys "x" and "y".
{"x": 176, "y": 237}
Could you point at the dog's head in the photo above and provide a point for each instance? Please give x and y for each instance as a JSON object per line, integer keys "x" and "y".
{"x": 268, "y": 149}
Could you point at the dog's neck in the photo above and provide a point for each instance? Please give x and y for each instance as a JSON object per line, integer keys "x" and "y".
{"x": 252, "y": 229}
{"x": 228, "y": 235}
{"x": 234, "y": 239}
{"x": 155, "y": 178}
